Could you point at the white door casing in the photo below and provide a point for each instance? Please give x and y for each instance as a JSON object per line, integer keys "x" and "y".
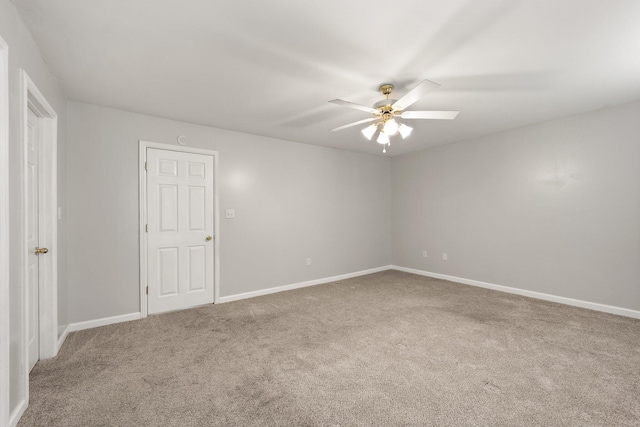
{"x": 180, "y": 236}
{"x": 47, "y": 307}
{"x": 4, "y": 234}
{"x": 33, "y": 225}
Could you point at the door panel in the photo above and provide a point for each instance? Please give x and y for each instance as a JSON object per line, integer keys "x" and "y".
{"x": 168, "y": 207}
{"x": 197, "y": 208}
{"x": 180, "y": 216}
{"x": 197, "y": 268}
{"x": 32, "y": 195}
{"x": 168, "y": 271}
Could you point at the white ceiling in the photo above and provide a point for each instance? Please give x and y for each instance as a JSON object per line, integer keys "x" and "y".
{"x": 269, "y": 67}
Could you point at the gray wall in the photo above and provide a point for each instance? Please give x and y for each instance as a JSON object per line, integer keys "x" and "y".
{"x": 552, "y": 208}
{"x": 24, "y": 54}
{"x": 292, "y": 201}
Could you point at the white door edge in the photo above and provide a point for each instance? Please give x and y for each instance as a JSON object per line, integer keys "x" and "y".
{"x": 142, "y": 192}
{"x": 35, "y": 223}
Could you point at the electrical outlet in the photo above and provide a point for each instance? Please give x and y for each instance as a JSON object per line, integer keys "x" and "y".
{"x": 424, "y": 254}
{"x": 230, "y": 213}
{"x": 444, "y": 256}
{"x": 308, "y": 261}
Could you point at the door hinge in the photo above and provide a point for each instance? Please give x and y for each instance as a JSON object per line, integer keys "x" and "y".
{"x": 147, "y": 290}
{"x": 146, "y": 228}
{"x": 146, "y": 166}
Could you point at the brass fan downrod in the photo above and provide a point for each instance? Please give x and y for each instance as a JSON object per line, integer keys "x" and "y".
{"x": 384, "y": 106}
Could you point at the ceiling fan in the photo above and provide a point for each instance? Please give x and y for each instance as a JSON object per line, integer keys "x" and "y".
{"x": 386, "y": 112}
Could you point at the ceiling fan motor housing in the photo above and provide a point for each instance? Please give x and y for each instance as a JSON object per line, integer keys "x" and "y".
{"x": 385, "y": 105}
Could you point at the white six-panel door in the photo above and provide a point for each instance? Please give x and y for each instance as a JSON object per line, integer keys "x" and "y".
{"x": 180, "y": 209}
{"x": 32, "y": 195}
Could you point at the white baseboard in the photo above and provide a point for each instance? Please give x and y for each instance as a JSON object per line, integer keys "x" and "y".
{"x": 17, "y": 413}
{"x": 79, "y": 326}
{"x": 538, "y": 295}
{"x": 301, "y": 284}
{"x": 103, "y": 322}
{"x": 62, "y": 338}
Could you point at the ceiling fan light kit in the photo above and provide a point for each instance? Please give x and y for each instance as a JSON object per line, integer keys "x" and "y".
{"x": 369, "y": 131}
{"x": 391, "y": 127}
{"x": 383, "y": 138}
{"x": 404, "y": 130}
{"x": 387, "y": 111}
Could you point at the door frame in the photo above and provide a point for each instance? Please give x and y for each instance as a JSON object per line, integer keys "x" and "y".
{"x": 4, "y": 233}
{"x": 48, "y": 222}
{"x": 142, "y": 157}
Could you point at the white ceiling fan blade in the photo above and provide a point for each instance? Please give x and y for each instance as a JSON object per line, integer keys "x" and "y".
{"x": 355, "y": 123}
{"x": 414, "y": 94}
{"x": 438, "y": 115}
{"x": 356, "y": 106}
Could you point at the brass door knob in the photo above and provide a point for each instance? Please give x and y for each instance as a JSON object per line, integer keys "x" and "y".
{"x": 208, "y": 238}
{"x": 41, "y": 250}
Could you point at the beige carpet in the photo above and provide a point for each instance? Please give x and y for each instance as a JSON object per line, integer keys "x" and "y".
{"x": 380, "y": 350}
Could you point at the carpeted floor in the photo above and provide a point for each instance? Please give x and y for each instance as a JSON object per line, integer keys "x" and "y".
{"x": 381, "y": 350}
